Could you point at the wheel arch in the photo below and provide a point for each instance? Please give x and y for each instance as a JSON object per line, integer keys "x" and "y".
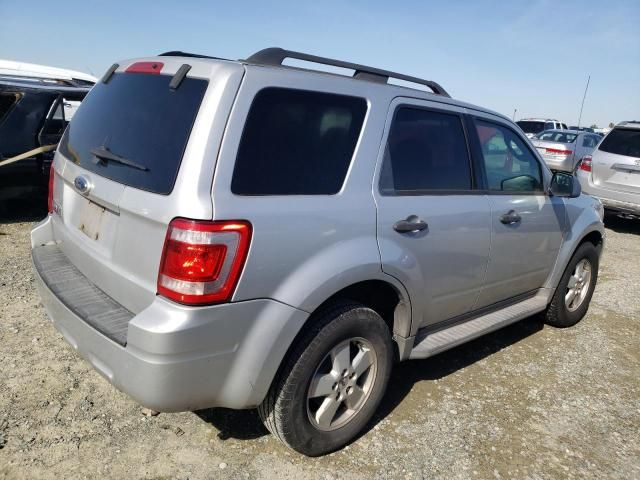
{"x": 593, "y": 234}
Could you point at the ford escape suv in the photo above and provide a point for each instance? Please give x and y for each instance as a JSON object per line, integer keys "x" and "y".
{"x": 247, "y": 234}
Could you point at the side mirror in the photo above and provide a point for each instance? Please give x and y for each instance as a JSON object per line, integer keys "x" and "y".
{"x": 564, "y": 185}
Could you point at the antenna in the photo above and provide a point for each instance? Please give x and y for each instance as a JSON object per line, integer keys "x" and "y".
{"x": 585, "y": 96}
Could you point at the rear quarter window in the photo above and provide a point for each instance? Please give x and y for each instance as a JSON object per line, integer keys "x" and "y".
{"x": 297, "y": 142}
{"x": 137, "y": 117}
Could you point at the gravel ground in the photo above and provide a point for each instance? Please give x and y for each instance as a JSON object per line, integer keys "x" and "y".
{"x": 527, "y": 402}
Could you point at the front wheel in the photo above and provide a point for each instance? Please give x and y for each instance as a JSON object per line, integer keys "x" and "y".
{"x": 573, "y": 294}
{"x": 331, "y": 382}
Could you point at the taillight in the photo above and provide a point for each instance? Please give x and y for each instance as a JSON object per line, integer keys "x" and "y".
{"x": 50, "y": 197}
{"x": 202, "y": 260}
{"x": 556, "y": 151}
{"x": 585, "y": 163}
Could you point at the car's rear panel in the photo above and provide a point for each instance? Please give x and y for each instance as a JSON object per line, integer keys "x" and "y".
{"x": 616, "y": 162}
{"x": 557, "y": 155}
{"x": 114, "y": 233}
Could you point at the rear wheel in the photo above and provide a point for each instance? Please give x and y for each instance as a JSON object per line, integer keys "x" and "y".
{"x": 575, "y": 289}
{"x": 331, "y": 382}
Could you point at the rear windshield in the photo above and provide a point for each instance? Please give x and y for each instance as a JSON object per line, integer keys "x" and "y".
{"x": 531, "y": 127}
{"x": 138, "y": 118}
{"x": 553, "y": 136}
{"x": 622, "y": 141}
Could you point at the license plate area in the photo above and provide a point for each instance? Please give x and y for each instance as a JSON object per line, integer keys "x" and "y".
{"x": 91, "y": 220}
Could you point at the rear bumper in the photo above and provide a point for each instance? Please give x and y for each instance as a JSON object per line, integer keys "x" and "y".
{"x": 184, "y": 358}
{"x": 561, "y": 165}
{"x": 612, "y": 200}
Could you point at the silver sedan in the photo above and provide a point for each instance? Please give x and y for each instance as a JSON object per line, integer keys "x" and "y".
{"x": 563, "y": 149}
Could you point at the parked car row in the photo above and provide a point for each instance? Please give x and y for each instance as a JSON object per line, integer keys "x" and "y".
{"x": 607, "y": 167}
{"x": 612, "y": 171}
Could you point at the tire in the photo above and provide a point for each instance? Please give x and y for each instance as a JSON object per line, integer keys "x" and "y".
{"x": 562, "y": 312}
{"x": 307, "y": 425}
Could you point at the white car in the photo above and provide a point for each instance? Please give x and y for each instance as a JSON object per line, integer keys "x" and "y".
{"x": 612, "y": 172}
{"x": 533, "y": 126}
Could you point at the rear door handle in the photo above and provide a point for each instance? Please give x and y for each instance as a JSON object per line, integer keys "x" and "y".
{"x": 411, "y": 224}
{"x": 510, "y": 218}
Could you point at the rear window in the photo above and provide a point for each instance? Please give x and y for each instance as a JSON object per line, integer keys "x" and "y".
{"x": 297, "y": 142}
{"x": 622, "y": 141}
{"x": 138, "y": 118}
{"x": 531, "y": 127}
{"x": 555, "y": 136}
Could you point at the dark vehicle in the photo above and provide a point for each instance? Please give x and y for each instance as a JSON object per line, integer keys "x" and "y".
{"x": 33, "y": 116}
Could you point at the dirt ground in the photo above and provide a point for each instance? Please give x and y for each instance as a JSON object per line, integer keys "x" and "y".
{"x": 529, "y": 401}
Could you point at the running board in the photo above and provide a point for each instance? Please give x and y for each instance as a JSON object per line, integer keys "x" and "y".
{"x": 428, "y": 343}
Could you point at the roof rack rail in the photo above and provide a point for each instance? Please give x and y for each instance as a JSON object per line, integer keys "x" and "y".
{"x": 177, "y": 53}
{"x": 275, "y": 56}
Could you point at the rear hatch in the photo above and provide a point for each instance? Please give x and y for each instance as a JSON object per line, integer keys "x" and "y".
{"x": 139, "y": 152}
{"x": 616, "y": 162}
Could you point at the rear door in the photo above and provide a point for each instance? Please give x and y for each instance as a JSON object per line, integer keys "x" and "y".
{"x": 433, "y": 226}
{"x": 616, "y": 162}
{"x": 526, "y": 224}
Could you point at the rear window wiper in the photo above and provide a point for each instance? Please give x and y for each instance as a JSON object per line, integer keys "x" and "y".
{"x": 103, "y": 153}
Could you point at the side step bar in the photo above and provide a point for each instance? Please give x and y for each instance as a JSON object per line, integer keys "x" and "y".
{"x": 429, "y": 343}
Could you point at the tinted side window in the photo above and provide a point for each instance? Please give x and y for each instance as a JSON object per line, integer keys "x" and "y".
{"x": 509, "y": 164}
{"x": 297, "y": 142}
{"x": 426, "y": 150}
{"x": 589, "y": 141}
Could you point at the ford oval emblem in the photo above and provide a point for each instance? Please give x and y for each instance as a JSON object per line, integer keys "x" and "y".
{"x": 82, "y": 184}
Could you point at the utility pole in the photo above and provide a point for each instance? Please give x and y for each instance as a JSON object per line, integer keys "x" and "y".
{"x": 584, "y": 96}
{"x": 514, "y": 114}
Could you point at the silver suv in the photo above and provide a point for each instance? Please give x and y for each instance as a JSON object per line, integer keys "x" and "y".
{"x": 245, "y": 234}
{"x": 612, "y": 171}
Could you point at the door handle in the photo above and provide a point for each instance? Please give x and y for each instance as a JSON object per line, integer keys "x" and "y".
{"x": 411, "y": 224}
{"x": 510, "y": 218}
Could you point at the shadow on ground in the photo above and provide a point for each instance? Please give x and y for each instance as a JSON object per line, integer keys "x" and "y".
{"x": 246, "y": 424}
{"x": 622, "y": 224}
{"x": 30, "y": 208}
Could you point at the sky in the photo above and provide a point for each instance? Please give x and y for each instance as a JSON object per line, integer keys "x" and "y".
{"x": 533, "y": 56}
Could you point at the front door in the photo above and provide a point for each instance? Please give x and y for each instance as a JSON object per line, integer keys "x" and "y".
{"x": 527, "y": 225}
{"x": 433, "y": 228}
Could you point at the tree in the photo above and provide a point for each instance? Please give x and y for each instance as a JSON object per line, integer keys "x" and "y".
{"x": 611, "y": 125}
{"x": 594, "y": 126}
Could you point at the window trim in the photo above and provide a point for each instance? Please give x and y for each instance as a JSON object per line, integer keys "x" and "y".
{"x": 472, "y": 190}
{"x": 478, "y": 147}
{"x": 356, "y": 147}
